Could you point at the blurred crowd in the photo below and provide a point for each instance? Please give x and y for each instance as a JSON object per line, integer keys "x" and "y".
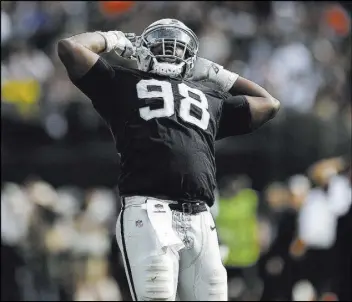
{"x": 61, "y": 239}
{"x": 299, "y": 51}
{"x": 290, "y": 242}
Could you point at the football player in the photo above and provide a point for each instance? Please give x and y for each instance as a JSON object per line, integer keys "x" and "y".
{"x": 165, "y": 123}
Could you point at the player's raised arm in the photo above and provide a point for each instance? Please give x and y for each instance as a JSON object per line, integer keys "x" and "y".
{"x": 79, "y": 53}
{"x": 263, "y": 106}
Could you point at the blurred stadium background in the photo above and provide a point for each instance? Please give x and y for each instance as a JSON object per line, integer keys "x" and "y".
{"x": 284, "y": 197}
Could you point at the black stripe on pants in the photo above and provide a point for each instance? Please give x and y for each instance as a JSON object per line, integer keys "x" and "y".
{"x": 129, "y": 272}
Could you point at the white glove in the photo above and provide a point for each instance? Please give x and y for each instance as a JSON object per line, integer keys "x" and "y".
{"x": 200, "y": 71}
{"x": 117, "y": 41}
{"x": 207, "y": 70}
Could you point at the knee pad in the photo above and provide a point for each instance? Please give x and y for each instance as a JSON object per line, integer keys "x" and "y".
{"x": 218, "y": 285}
{"x": 159, "y": 279}
{"x": 213, "y": 286}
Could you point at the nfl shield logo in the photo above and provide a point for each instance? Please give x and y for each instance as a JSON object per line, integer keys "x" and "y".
{"x": 139, "y": 223}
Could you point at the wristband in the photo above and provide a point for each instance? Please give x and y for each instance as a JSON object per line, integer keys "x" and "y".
{"x": 224, "y": 78}
{"x": 111, "y": 40}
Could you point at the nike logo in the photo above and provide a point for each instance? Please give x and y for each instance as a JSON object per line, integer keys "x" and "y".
{"x": 212, "y": 228}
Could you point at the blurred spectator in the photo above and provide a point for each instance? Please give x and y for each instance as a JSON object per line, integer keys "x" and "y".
{"x": 298, "y": 72}
{"x": 6, "y": 27}
{"x": 318, "y": 222}
{"x": 58, "y": 243}
{"x": 238, "y": 232}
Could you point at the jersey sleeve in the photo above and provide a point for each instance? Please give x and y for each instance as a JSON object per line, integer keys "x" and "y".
{"x": 97, "y": 85}
{"x": 235, "y": 117}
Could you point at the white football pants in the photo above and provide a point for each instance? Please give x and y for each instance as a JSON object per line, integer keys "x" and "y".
{"x": 169, "y": 255}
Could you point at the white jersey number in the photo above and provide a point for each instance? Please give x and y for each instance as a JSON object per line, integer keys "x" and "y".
{"x": 163, "y": 90}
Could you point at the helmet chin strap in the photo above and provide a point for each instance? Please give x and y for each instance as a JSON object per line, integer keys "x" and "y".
{"x": 167, "y": 69}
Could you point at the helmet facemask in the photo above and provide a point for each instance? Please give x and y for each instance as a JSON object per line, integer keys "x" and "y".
{"x": 167, "y": 49}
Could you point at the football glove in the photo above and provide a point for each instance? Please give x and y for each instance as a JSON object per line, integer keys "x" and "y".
{"x": 207, "y": 70}
{"x": 200, "y": 71}
{"x": 117, "y": 41}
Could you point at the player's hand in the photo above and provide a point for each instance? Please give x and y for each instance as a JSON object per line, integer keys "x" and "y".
{"x": 200, "y": 71}
{"x": 124, "y": 46}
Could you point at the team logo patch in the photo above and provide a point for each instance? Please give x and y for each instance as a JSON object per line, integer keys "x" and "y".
{"x": 139, "y": 223}
{"x": 159, "y": 208}
{"x": 216, "y": 69}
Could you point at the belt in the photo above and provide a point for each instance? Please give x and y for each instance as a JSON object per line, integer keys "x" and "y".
{"x": 189, "y": 207}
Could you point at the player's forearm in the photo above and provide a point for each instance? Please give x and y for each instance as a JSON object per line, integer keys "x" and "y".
{"x": 234, "y": 84}
{"x": 79, "y": 53}
{"x": 242, "y": 86}
{"x": 262, "y": 110}
{"x": 93, "y": 41}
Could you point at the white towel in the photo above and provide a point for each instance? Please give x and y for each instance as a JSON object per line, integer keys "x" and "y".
{"x": 160, "y": 217}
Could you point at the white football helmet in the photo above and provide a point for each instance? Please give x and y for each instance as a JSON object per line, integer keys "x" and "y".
{"x": 167, "y": 47}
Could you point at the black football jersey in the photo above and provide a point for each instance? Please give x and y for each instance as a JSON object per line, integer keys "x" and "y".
{"x": 164, "y": 129}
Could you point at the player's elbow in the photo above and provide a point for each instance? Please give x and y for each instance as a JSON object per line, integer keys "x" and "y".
{"x": 274, "y": 107}
{"x": 65, "y": 50}
{"x": 263, "y": 110}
